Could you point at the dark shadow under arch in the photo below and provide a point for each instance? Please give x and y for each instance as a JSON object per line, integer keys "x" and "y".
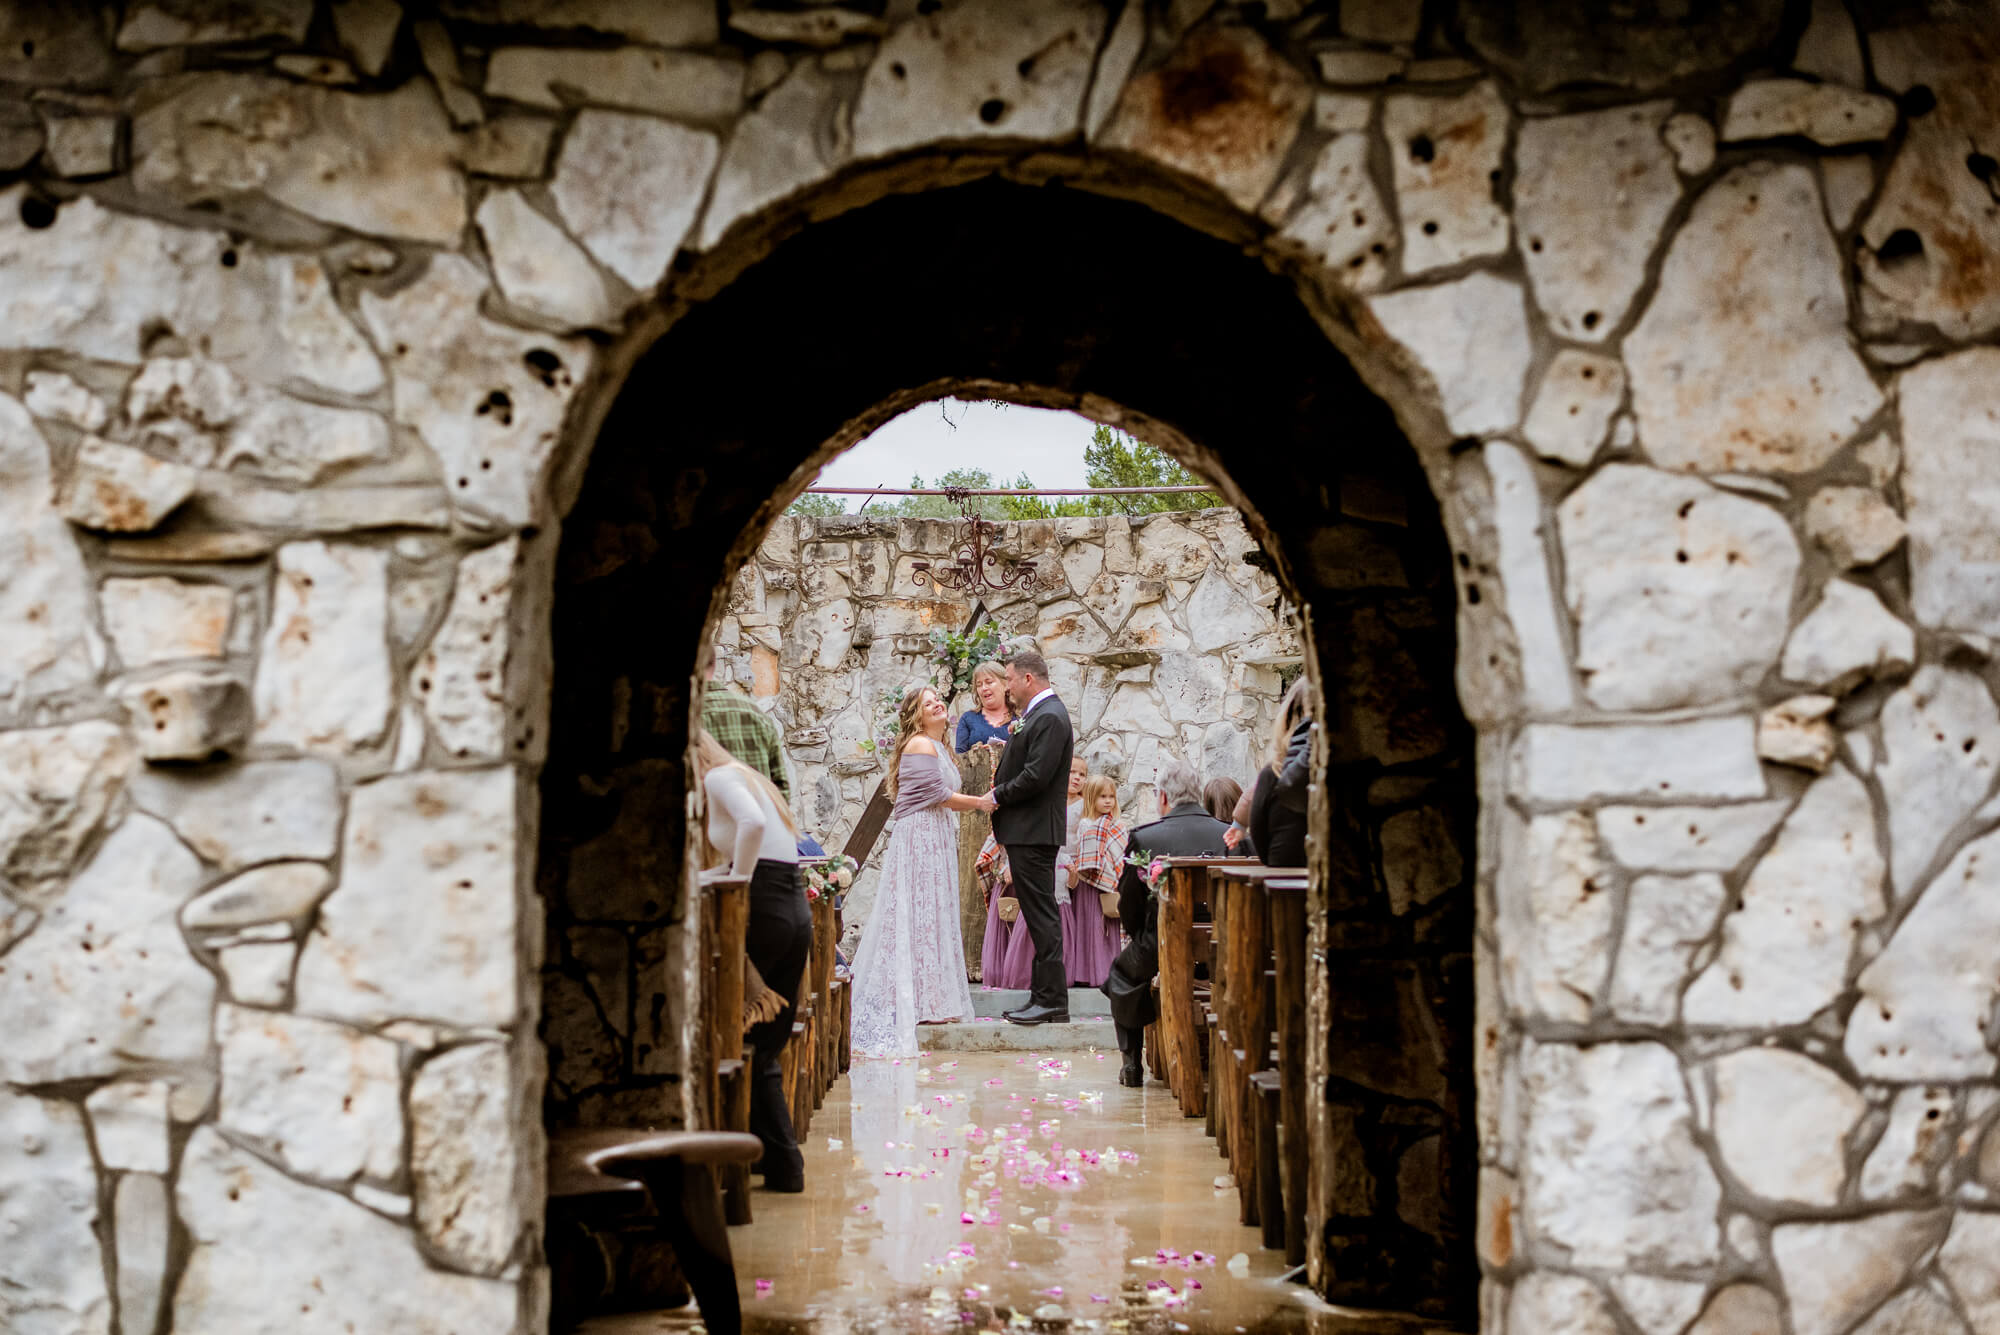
{"x": 1059, "y": 294}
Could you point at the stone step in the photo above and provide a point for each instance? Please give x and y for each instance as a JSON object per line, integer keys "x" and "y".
{"x": 1083, "y": 1001}
{"x": 1078, "y": 1035}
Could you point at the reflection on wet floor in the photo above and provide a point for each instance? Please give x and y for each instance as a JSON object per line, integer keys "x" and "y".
{"x": 1009, "y": 1191}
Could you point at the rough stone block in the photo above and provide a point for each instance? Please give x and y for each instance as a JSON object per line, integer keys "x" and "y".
{"x": 1591, "y": 193}
{"x": 325, "y": 1098}
{"x": 1798, "y": 732}
{"x": 187, "y": 713}
{"x": 121, "y": 490}
{"x": 1927, "y": 998}
{"x": 233, "y": 1205}
{"x": 1524, "y": 575}
{"x": 1940, "y": 747}
{"x": 1835, "y": 1272}
{"x": 1555, "y": 901}
{"x": 1855, "y": 525}
{"x": 380, "y": 163}
{"x": 465, "y": 1176}
{"x": 1445, "y": 152}
{"x": 1681, "y": 839}
{"x": 1711, "y": 758}
{"x": 1224, "y": 108}
{"x": 158, "y": 620}
{"x": 128, "y": 1120}
{"x": 461, "y": 679}
{"x": 1471, "y": 337}
{"x": 57, "y": 785}
{"x": 1824, "y": 113}
{"x": 323, "y": 673}
{"x": 1781, "y": 1122}
{"x": 1951, "y": 483}
{"x": 424, "y": 923}
{"x": 1681, "y": 592}
{"x": 105, "y": 982}
{"x": 488, "y": 399}
{"x": 629, "y": 187}
{"x": 1846, "y": 639}
{"x": 51, "y": 1270}
{"x": 238, "y": 815}
{"x": 1573, "y": 407}
{"x": 1666, "y": 920}
{"x": 682, "y": 85}
{"x": 1611, "y": 1170}
{"x": 1744, "y": 361}
{"x": 1342, "y": 223}
{"x": 142, "y": 1219}
{"x": 1786, "y": 946}
{"x": 159, "y": 23}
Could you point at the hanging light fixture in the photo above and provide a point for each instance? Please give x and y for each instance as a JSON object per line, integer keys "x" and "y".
{"x": 973, "y": 561}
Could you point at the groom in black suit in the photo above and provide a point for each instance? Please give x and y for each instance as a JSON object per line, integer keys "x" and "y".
{"x": 1030, "y": 806}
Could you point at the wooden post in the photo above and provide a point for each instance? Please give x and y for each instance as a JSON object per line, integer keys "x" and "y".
{"x": 975, "y": 770}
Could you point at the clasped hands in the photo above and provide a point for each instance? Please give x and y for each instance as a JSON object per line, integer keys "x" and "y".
{"x": 986, "y": 803}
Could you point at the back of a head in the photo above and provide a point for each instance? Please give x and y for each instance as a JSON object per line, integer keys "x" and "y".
{"x": 1178, "y": 784}
{"x": 1220, "y": 796}
{"x": 1296, "y": 707}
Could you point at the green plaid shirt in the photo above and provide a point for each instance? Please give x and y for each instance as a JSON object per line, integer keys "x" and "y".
{"x": 746, "y": 731}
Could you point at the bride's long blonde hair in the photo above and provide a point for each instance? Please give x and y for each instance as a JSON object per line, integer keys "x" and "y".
{"x": 909, "y": 726}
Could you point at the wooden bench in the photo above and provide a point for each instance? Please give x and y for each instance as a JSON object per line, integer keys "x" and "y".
{"x": 1249, "y": 1112}
{"x": 1184, "y": 891}
{"x": 663, "y": 1181}
{"x": 1286, "y": 899}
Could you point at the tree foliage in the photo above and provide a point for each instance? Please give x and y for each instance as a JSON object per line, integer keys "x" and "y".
{"x": 1114, "y": 459}
{"x": 817, "y": 506}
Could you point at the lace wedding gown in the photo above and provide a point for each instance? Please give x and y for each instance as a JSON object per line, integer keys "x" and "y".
{"x": 911, "y": 962}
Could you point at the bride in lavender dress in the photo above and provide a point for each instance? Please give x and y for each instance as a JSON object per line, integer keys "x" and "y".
{"x": 910, "y": 967}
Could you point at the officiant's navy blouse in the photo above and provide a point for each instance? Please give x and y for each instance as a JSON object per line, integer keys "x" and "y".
{"x": 974, "y": 729}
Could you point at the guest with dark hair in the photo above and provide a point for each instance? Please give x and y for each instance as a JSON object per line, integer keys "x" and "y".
{"x": 1219, "y": 795}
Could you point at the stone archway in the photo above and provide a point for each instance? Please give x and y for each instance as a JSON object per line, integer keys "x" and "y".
{"x": 1061, "y": 297}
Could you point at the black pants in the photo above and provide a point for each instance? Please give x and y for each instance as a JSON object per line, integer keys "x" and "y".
{"x": 1132, "y": 1043}
{"x": 1034, "y": 869}
{"x": 779, "y": 943}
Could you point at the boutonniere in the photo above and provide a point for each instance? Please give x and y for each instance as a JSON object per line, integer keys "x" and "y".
{"x": 1014, "y": 725}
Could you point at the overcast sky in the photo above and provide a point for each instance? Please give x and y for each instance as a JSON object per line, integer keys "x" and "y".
{"x": 936, "y": 437}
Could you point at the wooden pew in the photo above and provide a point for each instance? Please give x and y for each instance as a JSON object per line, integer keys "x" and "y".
{"x": 1286, "y": 897}
{"x": 725, "y": 920}
{"x": 668, "y": 1182}
{"x": 1184, "y": 888}
{"x": 1246, "y": 1015}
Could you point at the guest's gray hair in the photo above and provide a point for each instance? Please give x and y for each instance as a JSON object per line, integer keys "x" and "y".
{"x": 1178, "y": 783}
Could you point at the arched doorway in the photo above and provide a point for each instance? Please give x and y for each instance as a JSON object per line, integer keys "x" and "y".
{"x": 1056, "y": 296}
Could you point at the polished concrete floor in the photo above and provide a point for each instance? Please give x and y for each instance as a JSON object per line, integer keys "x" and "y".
{"x": 1009, "y": 1191}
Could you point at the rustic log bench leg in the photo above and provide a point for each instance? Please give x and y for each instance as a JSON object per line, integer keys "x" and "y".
{"x": 1268, "y": 1089}
{"x": 678, "y": 1172}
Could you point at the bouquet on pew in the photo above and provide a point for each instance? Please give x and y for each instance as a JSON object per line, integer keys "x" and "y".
{"x": 1150, "y": 871}
{"x": 835, "y": 876}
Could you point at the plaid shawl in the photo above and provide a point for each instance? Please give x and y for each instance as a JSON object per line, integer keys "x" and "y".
{"x": 991, "y": 866}
{"x": 1100, "y": 853}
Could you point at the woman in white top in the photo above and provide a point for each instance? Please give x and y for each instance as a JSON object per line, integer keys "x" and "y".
{"x": 750, "y": 828}
{"x": 910, "y": 967}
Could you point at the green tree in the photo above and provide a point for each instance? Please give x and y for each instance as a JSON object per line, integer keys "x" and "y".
{"x": 1041, "y": 507}
{"x": 941, "y": 507}
{"x": 1114, "y": 459}
{"x": 817, "y": 506}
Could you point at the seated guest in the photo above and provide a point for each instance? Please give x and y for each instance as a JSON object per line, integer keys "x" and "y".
{"x": 1239, "y": 840}
{"x": 989, "y": 722}
{"x": 745, "y": 731}
{"x": 1278, "y": 802}
{"x": 1220, "y": 797}
{"x": 1184, "y": 830}
{"x": 1097, "y": 859}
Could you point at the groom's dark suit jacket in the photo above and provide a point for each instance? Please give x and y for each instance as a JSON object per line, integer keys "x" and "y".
{"x": 1031, "y": 783}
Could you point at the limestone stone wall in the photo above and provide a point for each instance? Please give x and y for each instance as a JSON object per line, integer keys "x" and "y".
{"x": 1162, "y": 639}
{"x": 309, "y": 313}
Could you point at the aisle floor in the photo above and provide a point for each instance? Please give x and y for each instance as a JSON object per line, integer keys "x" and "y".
{"x": 1134, "y": 1236}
